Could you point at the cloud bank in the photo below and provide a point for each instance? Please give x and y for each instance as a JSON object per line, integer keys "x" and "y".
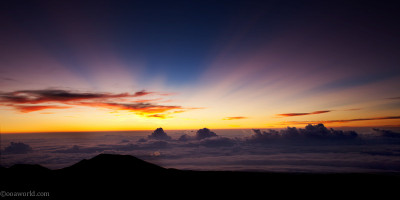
{"x": 387, "y": 133}
{"x": 318, "y": 131}
{"x": 312, "y": 148}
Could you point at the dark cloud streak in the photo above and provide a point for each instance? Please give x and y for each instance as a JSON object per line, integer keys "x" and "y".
{"x": 301, "y": 114}
{"x": 44, "y": 96}
{"x": 35, "y": 100}
{"x": 342, "y": 120}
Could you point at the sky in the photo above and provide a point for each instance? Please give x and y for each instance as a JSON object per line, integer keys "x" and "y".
{"x": 138, "y": 65}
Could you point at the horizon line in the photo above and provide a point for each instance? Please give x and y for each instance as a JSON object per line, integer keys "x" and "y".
{"x": 233, "y": 128}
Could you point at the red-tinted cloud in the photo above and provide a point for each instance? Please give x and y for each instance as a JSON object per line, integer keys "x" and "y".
{"x": 147, "y": 100}
{"x": 161, "y": 116}
{"x": 142, "y": 93}
{"x": 234, "y": 118}
{"x": 35, "y": 100}
{"x": 140, "y": 107}
{"x": 27, "y": 109}
{"x": 301, "y": 114}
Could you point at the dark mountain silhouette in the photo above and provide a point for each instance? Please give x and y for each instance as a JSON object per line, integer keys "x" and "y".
{"x": 116, "y": 163}
{"x": 124, "y": 175}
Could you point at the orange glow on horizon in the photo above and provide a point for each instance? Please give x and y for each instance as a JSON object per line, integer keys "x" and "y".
{"x": 125, "y": 121}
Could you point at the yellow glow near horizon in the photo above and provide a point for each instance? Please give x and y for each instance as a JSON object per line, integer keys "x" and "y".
{"x": 93, "y": 119}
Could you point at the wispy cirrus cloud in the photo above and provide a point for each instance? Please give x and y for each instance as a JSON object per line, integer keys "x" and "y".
{"x": 352, "y": 109}
{"x": 27, "y": 101}
{"x": 302, "y": 114}
{"x": 7, "y": 79}
{"x": 148, "y": 108}
{"x": 234, "y": 118}
{"x": 340, "y": 120}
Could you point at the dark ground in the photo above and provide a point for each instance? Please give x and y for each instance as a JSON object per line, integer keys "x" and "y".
{"x": 126, "y": 177}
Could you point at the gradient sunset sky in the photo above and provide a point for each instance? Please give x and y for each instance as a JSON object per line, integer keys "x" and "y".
{"x": 139, "y": 65}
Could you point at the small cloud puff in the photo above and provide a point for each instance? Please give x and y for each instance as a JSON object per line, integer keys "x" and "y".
{"x": 17, "y": 148}
{"x": 204, "y": 133}
{"x": 155, "y": 154}
{"x": 200, "y": 134}
{"x": 159, "y": 134}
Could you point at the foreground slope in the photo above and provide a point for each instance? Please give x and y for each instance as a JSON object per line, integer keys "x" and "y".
{"x": 124, "y": 175}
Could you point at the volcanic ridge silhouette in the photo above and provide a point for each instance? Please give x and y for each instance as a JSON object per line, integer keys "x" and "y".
{"x": 125, "y": 175}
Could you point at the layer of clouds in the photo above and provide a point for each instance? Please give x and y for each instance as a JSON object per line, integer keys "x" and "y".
{"x": 217, "y": 142}
{"x": 290, "y": 149}
{"x": 79, "y": 149}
